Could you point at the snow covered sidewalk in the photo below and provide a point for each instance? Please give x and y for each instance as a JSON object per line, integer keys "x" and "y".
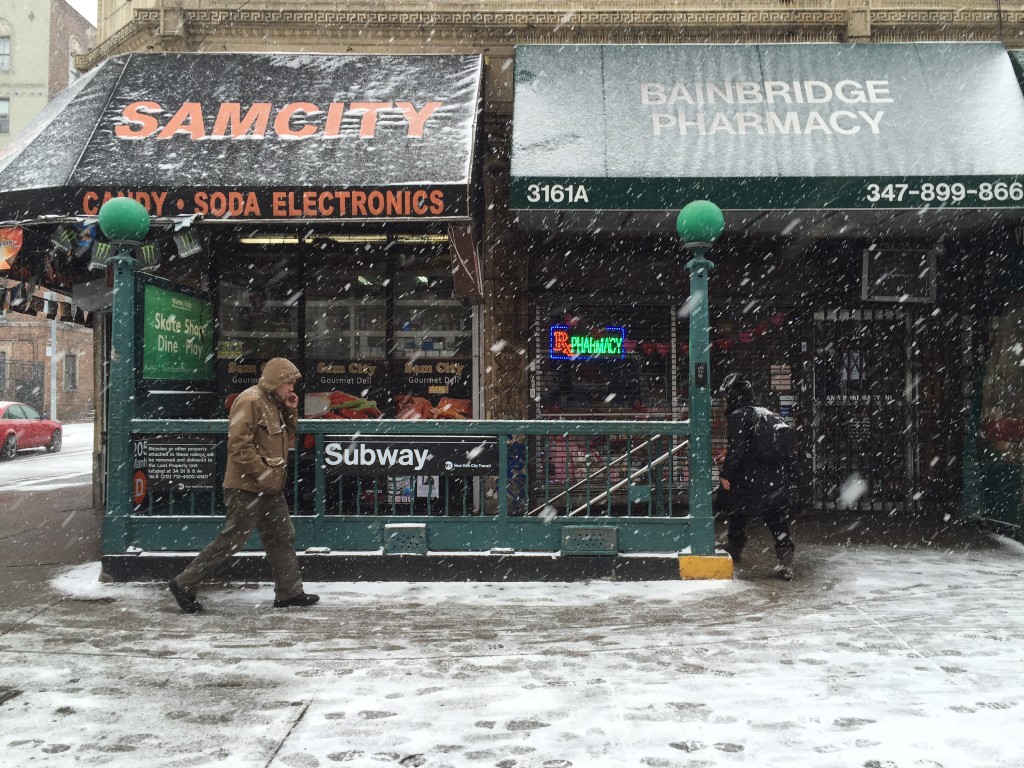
{"x": 875, "y": 657}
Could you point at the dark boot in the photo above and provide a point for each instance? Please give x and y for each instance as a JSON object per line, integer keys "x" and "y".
{"x": 735, "y": 550}
{"x": 299, "y": 601}
{"x": 186, "y": 601}
{"x": 784, "y": 570}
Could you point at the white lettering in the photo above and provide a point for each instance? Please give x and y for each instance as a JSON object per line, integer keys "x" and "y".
{"x": 873, "y": 123}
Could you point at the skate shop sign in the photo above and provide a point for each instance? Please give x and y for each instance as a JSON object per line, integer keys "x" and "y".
{"x": 397, "y": 455}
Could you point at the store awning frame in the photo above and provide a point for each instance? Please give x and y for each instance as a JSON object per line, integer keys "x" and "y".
{"x": 904, "y": 135}
{"x": 256, "y": 137}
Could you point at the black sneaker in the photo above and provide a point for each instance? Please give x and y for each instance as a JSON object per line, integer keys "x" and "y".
{"x": 299, "y": 601}
{"x": 186, "y": 601}
{"x": 785, "y": 572}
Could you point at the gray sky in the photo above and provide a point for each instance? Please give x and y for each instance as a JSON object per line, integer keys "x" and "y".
{"x": 85, "y": 7}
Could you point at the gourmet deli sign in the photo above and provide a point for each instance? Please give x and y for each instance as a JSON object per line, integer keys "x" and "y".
{"x": 754, "y": 127}
{"x": 259, "y": 136}
{"x": 345, "y": 455}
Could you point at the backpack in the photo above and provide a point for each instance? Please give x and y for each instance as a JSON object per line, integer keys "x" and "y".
{"x": 774, "y": 439}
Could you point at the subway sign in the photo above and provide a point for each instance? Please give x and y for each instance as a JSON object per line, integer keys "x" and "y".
{"x": 569, "y": 344}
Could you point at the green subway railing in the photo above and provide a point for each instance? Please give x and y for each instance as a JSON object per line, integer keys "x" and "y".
{"x": 559, "y": 486}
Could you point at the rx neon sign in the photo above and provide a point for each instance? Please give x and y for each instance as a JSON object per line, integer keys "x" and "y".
{"x": 568, "y": 345}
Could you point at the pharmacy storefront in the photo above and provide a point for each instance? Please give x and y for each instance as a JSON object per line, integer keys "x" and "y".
{"x": 867, "y": 190}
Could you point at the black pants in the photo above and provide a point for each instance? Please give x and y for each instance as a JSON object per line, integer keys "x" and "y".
{"x": 772, "y": 509}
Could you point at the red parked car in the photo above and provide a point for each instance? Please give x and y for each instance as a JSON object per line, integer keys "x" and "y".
{"x": 22, "y": 427}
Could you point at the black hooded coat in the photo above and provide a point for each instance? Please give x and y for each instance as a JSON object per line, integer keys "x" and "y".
{"x": 755, "y": 483}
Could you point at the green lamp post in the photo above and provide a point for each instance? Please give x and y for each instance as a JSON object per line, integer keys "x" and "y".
{"x": 125, "y": 223}
{"x": 699, "y": 224}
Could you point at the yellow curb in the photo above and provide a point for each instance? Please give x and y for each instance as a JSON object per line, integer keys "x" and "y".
{"x": 705, "y": 567}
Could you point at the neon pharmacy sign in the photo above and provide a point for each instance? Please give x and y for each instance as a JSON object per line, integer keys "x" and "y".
{"x": 565, "y": 345}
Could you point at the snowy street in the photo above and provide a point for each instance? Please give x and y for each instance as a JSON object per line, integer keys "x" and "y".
{"x": 36, "y": 469}
{"x": 875, "y": 657}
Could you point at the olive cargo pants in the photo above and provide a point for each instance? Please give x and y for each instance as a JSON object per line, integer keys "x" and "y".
{"x": 267, "y": 514}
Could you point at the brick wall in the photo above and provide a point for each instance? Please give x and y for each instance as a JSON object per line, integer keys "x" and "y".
{"x": 65, "y": 24}
{"x": 24, "y": 339}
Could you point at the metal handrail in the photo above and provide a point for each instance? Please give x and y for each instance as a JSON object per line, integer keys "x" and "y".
{"x": 597, "y": 473}
{"x": 626, "y": 480}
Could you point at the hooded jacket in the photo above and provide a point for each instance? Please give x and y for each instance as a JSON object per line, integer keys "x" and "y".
{"x": 260, "y": 432}
{"x": 752, "y": 481}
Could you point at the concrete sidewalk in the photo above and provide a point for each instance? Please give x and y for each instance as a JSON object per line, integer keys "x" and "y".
{"x": 887, "y": 651}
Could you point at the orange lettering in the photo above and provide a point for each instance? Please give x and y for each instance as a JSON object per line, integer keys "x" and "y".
{"x": 252, "y": 206}
{"x": 368, "y": 125}
{"x": 89, "y": 206}
{"x": 136, "y": 113}
{"x": 334, "y": 113}
{"x": 375, "y": 202}
{"x": 419, "y": 202}
{"x": 324, "y": 204}
{"x": 343, "y": 198}
{"x": 358, "y": 203}
{"x": 230, "y": 122}
{"x": 309, "y": 205}
{"x": 201, "y": 200}
{"x": 283, "y": 125}
{"x": 395, "y": 204}
{"x": 417, "y": 119}
{"x": 188, "y": 119}
{"x": 277, "y": 204}
{"x": 437, "y": 202}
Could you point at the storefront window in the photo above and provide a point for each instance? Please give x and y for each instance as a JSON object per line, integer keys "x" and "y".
{"x": 345, "y": 367}
{"x": 613, "y": 361}
{"x": 1002, "y": 407}
{"x": 258, "y": 318}
{"x": 432, "y": 368}
{"x": 373, "y": 326}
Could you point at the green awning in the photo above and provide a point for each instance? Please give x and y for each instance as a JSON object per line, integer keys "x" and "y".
{"x": 826, "y": 127}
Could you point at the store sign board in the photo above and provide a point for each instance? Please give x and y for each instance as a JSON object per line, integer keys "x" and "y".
{"x": 899, "y": 276}
{"x": 256, "y": 136}
{"x": 173, "y": 464}
{"x": 177, "y": 336}
{"x": 569, "y": 344}
{"x": 766, "y": 127}
{"x": 397, "y": 455}
{"x": 344, "y": 389}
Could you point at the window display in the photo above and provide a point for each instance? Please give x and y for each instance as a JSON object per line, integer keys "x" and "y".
{"x": 1002, "y": 406}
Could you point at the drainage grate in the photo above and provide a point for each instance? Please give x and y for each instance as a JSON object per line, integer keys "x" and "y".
{"x": 580, "y": 540}
{"x": 405, "y": 539}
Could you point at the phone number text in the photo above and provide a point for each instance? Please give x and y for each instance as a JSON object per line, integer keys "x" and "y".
{"x": 942, "y": 192}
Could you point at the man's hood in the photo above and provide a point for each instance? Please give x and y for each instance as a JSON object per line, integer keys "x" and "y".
{"x": 278, "y": 371}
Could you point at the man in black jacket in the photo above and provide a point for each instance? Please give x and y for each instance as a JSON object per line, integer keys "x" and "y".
{"x": 754, "y": 485}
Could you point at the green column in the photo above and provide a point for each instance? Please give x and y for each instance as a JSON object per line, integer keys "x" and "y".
{"x": 121, "y": 406}
{"x": 699, "y": 224}
{"x": 125, "y": 222}
{"x": 702, "y": 536}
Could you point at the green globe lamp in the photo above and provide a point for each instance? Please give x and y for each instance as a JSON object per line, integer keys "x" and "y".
{"x": 699, "y": 225}
{"x": 699, "y": 222}
{"x": 122, "y": 218}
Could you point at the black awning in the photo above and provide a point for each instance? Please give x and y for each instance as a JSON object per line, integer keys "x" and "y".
{"x": 254, "y": 137}
{"x": 760, "y": 128}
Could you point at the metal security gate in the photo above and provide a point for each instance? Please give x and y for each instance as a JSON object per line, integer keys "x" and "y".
{"x": 22, "y": 381}
{"x": 864, "y": 426}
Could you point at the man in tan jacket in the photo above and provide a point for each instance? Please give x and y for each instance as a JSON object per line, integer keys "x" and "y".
{"x": 261, "y": 429}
